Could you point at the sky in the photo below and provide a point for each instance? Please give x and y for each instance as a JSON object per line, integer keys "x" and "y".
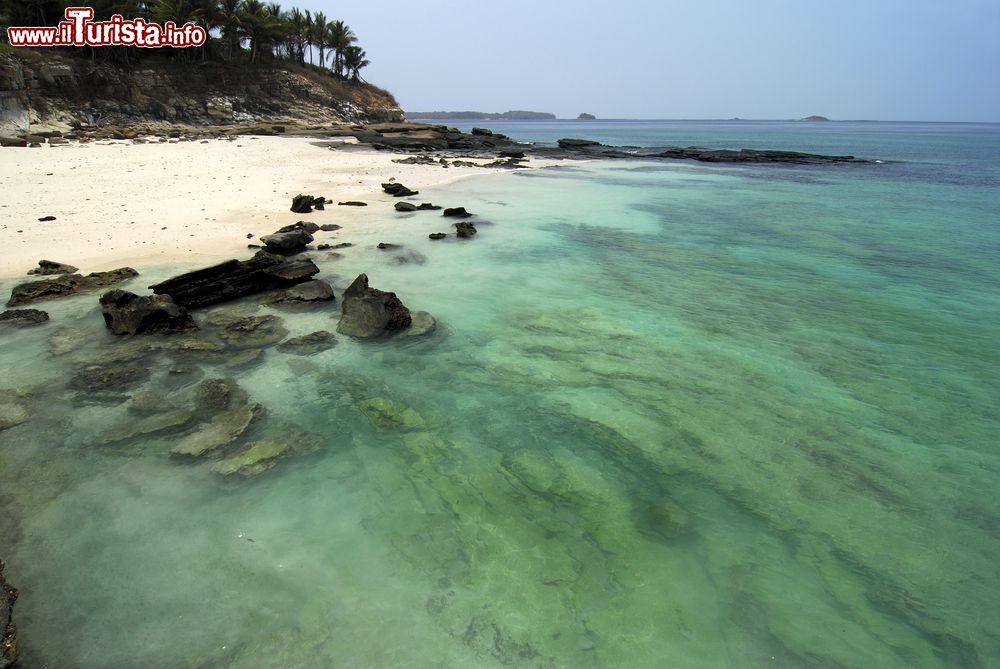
{"x": 919, "y": 60}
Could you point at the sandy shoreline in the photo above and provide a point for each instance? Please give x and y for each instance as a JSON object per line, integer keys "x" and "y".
{"x": 119, "y": 203}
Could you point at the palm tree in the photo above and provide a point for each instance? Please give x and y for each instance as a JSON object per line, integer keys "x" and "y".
{"x": 340, "y": 37}
{"x": 309, "y": 33}
{"x": 320, "y": 36}
{"x": 354, "y": 61}
{"x": 231, "y": 25}
{"x": 296, "y": 24}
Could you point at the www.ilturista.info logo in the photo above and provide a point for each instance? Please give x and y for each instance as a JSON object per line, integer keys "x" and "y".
{"x": 80, "y": 30}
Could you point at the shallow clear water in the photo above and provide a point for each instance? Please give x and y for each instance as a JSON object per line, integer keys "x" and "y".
{"x": 674, "y": 415}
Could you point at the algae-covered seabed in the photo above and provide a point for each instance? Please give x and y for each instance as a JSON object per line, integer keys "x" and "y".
{"x": 673, "y": 416}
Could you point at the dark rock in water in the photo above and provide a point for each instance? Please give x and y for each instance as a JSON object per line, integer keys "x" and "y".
{"x": 12, "y": 414}
{"x": 293, "y": 241}
{"x": 586, "y": 117}
{"x": 66, "y": 284}
{"x": 319, "y": 204}
{"x": 97, "y": 378}
{"x": 405, "y": 206}
{"x": 386, "y": 246}
{"x": 517, "y": 155}
{"x": 302, "y": 204}
{"x": 23, "y": 317}
{"x": 46, "y": 219}
{"x": 482, "y": 132}
{"x": 128, "y": 313}
{"x": 300, "y": 225}
{"x": 369, "y": 312}
{"x": 456, "y": 212}
{"x": 353, "y": 203}
{"x": 465, "y": 229}
{"x": 49, "y": 268}
{"x": 310, "y": 291}
{"x": 215, "y": 395}
{"x": 427, "y": 206}
{"x": 752, "y": 156}
{"x": 569, "y": 143}
{"x": 398, "y": 190}
{"x": 235, "y": 278}
{"x": 224, "y": 429}
{"x": 422, "y": 323}
{"x": 309, "y": 344}
{"x": 254, "y": 332}
{"x": 8, "y": 631}
{"x": 342, "y": 245}
{"x": 254, "y": 246}
{"x": 329, "y": 227}
{"x": 437, "y": 235}
{"x": 323, "y": 247}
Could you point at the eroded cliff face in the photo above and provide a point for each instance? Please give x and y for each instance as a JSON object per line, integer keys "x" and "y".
{"x": 44, "y": 90}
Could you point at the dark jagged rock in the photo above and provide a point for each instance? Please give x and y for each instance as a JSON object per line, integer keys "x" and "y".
{"x": 46, "y": 219}
{"x": 369, "y": 312}
{"x": 437, "y": 235}
{"x": 319, "y": 204}
{"x": 456, "y": 212}
{"x": 51, "y": 268}
{"x": 303, "y": 204}
{"x": 254, "y": 332}
{"x": 329, "y": 227}
{"x": 8, "y": 631}
{"x": 215, "y": 395}
{"x": 300, "y": 225}
{"x": 235, "y": 278}
{"x": 310, "y": 291}
{"x": 482, "y": 132}
{"x": 398, "y": 190}
{"x": 427, "y": 206}
{"x": 294, "y": 241}
{"x": 128, "y": 313}
{"x": 752, "y": 156}
{"x": 465, "y": 230}
{"x": 405, "y": 206}
{"x": 13, "y": 142}
{"x": 353, "y": 203}
{"x": 385, "y": 246}
{"x": 310, "y": 344}
{"x": 519, "y": 155}
{"x": 342, "y": 245}
{"x": 23, "y": 317}
{"x": 417, "y": 160}
{"x": 110, "y": 377}
{"x": 570, "y": 143}
{"x": 66, "y": 284}
{"x": 323, "y": 247}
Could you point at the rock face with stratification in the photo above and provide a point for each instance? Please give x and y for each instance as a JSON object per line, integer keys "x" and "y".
{"x": 66, "y": 284}
{"x": 236, "y": 278}
{"x": 128, "y": 313}
{"x": 369, "y": 312}
{"x": 8, "y": 632}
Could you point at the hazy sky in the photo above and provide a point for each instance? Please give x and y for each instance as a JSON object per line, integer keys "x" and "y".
{"x": 848, "y": 59}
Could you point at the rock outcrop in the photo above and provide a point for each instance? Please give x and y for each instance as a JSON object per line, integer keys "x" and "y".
{"x": 236, "y": 278}
{"x": 66, "y": 284}
{"x": 465, "y": 230}
{"x": 128, "y": 313}
{"x": 397, "y": 189}
{"x": 293, "y": 241}
{"x": 23, "y": 317}
{"x": 369, "y": 312}
{"x": 752, "y": 156}
{"x": 8, "y": 631}
{"x": 49, "y": 268}
{"x": 456, "y": 212}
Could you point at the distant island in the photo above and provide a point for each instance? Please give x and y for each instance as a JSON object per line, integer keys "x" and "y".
{"x": 514, "y": 115}
{"x": 586, "y": 117}
{"x": 815, "y": 118}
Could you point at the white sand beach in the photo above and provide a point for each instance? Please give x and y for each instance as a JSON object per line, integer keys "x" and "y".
{"x": 192, "y": 202}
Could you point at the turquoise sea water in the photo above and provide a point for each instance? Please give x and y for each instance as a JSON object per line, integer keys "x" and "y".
{"x": 675, "y": 415}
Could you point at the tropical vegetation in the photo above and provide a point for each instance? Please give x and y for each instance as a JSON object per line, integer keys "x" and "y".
{"x": 247, "y": 31}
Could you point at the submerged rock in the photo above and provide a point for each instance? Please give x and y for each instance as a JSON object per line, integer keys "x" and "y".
{"x": 254, "y": 332}
{"x": 330, "y": 227}
{"x": 421, "y": 323}
{"x": 753, "y": 156}
{"x": 97, "y": 378}
{"x": 465, "y": 230}
{"x": 67, "y": 284}
{"x": 310, "y": 344}
{"x": 65, "y": 340}
{"x": 23, "y": 317}
{"x": 128, "y": 313}
{"x": 223, "y": 430}
{"x": 49, "y": 267}
{"x": 385, "y": 413}
{"x": 8, "y": 631}
{"x": 570, "y": 143}
{"x": 235, "y": 278}
{"x": 369, "y": 312}
{"x": 12, "y": 414}
{"x": 215, "y": 395}
{"x": 159, "y": 423}
{"x": 259, "y": 456}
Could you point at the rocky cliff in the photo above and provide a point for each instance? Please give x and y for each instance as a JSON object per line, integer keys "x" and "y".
{"x": 43, "y": 90}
